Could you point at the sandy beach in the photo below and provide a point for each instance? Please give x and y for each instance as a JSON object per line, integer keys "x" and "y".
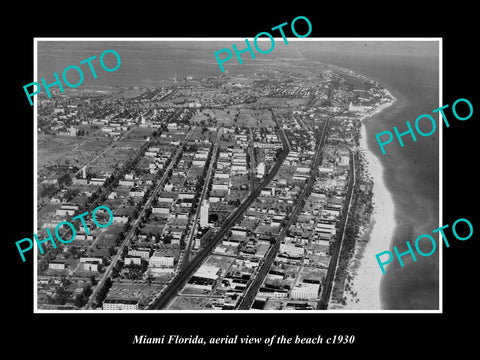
{"x": 365, "y": 274}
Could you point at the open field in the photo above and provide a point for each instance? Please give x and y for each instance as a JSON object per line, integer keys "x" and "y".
{"x": 190, "y": 303}
{"x": 279, "y": 102}
{"x": 222, "y": 262}
{"x": 255, "y": 118}
{"x": 68, "y": 150}
{"x": 128, "y": 290}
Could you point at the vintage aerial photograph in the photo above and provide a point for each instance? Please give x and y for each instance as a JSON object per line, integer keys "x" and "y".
{"x": 258, "y": 188}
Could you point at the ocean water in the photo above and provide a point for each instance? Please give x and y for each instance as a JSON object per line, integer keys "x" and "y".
{"x": 409, "y": 69}
{"x": 143, "y": 63}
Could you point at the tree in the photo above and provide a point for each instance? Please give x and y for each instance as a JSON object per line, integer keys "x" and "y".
{"x": 60, "y": 296}
{"x": 87, "y": 291}
{"x": 149, "y": 279}
{"x": 60, "y": 291}
{"x": 65, "y": 282}
{"x": 148, "y": 212}
{"x": 111, "y": 250}
{"x": 71, "y": 193}
{"x": 167, "y": 239}
{"x": 144, "y": 265}
{"x": 65, "y": 179}
{"x": 102, "y": 293}
{"x": 124, "y": 253}
{"x": 80, "y": 300}
{"x": 48, "y": 190}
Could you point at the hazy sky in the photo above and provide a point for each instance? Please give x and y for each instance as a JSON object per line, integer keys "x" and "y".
{"x": 150, "y": 60}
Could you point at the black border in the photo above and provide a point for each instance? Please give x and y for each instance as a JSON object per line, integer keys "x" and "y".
{"x": 113, "y": 334}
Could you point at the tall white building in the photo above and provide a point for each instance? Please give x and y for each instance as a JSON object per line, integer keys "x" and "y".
{"x": 204, "y": 213}
{"x": 260, "y": 169}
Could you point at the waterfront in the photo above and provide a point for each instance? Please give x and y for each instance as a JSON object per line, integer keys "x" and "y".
{"x": 411, "y": 173}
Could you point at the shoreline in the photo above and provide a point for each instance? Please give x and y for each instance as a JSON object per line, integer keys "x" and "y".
{"x": 363, "y": 280}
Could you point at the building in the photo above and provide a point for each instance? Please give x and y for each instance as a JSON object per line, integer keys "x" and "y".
{"x": 159, "y": 259}
{"x": 161, "y": 210}
{"x": 97, "y": 181}
{"x": 120, "y": 219}
{"x": 80, "y": 181}
{"x": 222, "y": 175}
{"x": 344, "y": 160}
{"x": 125, "y": 182}
{"x": 50, "y": 225}
{"x": 261, "y": 170}
{"x": 199, "y": 163}
{"x": 237, "y": 231}
{"x": 220, "y": 187}
{"x": 67, "y": 210}
{"x": 261, "y": 250}
{"x": 91, "y": 266}
{"x": 303, "y": 169}
{"x": 137, "y": 192}
{"x": 186, "y": 195}
{"x": 140, "y": 252}
{"x": 205, "y": 277}
{"x": 208, "y": 272}
{"x": 325, "y": 228}
{"x": 266, "y": 292}
{"x": 84, "y": 237}
{"x": 204, "y": 213}
{"x": 356, "y": 108}
{"x": 268, "y": 191}
{"x": 165, "y": 199}
{"x": 64, "y": 212}
{"x": 91, "y": 259}
{"x": 292, "y": 249}
{"x": 113, "y": 195}
{"x": 305, "y": 291}
{"x": 137, "y": 260}
{"x": 239, "y": 168}
{"x": 112, "y": 303}
{"x": 56, "y": 265}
